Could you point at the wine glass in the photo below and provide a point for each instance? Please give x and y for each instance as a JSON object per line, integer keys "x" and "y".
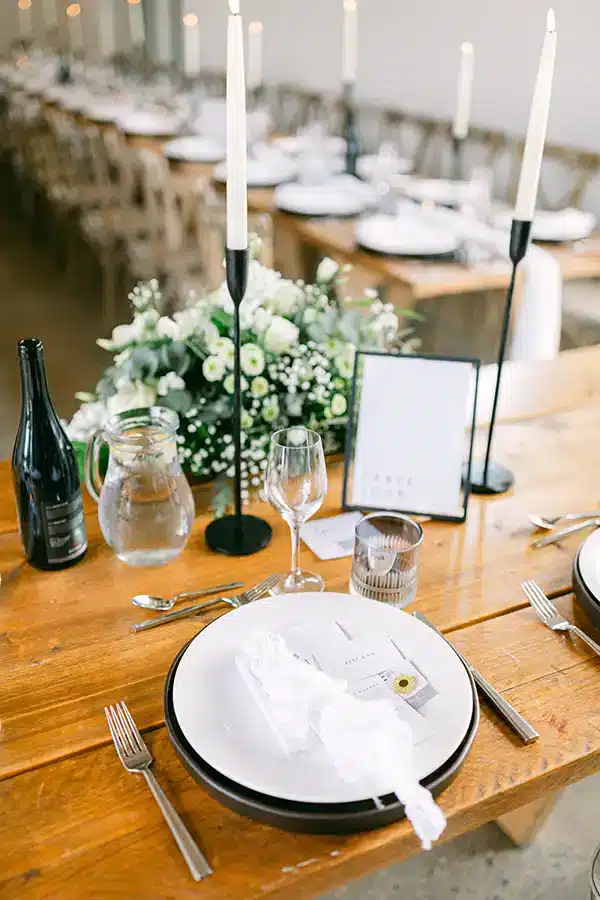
{"x": 295, "y": 485}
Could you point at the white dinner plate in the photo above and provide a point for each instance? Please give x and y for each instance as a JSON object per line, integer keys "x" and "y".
{"x": 298, "y": 143}
{"x": 262, "y": 173}
{"x": 553, "y": 225}
{"x": 148, "y": 124}
{"x": 221, "y": 722}
{"x": 589, "y": 564}
{"x": 369, "y": 165}
{"x": 340, "y": 196}
{"x": 405, "y": 235}
{"x": 439, "y": 190}
{"x": 194, "y": 148}
{"x": 103, "y": 111}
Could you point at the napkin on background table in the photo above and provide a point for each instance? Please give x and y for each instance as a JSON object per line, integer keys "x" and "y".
{"x": 363, "y": 739}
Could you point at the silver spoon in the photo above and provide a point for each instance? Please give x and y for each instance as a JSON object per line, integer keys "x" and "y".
{"x": 146, "y": 601}
{"x": 545, "y": 524}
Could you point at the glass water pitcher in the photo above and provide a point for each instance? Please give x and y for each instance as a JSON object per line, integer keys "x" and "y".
{"x": 145, "y": 505}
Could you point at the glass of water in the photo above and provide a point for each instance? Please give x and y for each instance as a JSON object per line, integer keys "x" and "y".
{"x": 296, "y": 484}
{"x": 145, "y": 505}
{"x": 386, "y": 558}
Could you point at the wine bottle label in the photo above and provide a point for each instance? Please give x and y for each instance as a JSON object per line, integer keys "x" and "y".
{"x": 64, "y": 529}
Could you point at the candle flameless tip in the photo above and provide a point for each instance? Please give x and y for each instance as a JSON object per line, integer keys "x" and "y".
{"x": 466, "y": 47}
{"x": 24, "y": 4}
{"x": 551, "y": 21}
{"x": 190, "y": 20}
{"x": 234, "y": 7}
{"x": 350, "y": 5}
{"x": 73, "y": 10}
{"x": 255, "y": 27}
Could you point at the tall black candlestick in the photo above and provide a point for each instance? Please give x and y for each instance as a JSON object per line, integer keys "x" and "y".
{"x": 237, "y": 535}
{"x": 488, "y": 477}
{"x": 350, "y": 130}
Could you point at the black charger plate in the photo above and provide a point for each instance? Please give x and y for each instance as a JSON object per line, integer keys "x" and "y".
{"x": 583, "y": 595}
{"x": 314, "y": 818}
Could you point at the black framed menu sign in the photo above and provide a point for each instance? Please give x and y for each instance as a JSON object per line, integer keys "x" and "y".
{"x": 410, "y": 434}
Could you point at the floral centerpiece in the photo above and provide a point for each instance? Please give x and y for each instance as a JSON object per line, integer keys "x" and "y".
{"x": 298, "y": 348}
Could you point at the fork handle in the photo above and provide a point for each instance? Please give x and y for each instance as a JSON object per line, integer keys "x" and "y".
{"x": 585, "y": 638}
{"x": 197, "y": 863}
{"x": 558, "y": 535}
{"x": 180, "y": 613}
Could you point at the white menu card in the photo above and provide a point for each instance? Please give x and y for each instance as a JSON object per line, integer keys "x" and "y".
{"x": 410, "y": 434}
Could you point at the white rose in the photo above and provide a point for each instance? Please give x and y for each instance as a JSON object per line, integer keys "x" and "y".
{"x": 259, "y": 387}
{"x": 122, "y": 335}
{"x": 169, "y": 382}
{"x": 213, "y": 368}
{"x": 261, "y": 320}
{"x": 88, "y": 419}
{"x": 167, "y": 328}
{"x": 132, "y": 395}
{"x": 287, "y": 299}
{"x": 327, "y": 269}
{"x": 188, "y": 321}
{"x": 281, "y": 335}
{"x": 338, "y": 405}
{"x": 252, "y": 359}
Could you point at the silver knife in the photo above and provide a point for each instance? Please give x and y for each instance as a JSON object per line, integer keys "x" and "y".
{"x": 521, "y": 726}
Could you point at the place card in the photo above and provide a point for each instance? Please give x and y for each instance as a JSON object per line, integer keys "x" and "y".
{"x": 333, "y": 537}
{"x": 410, "y": 434}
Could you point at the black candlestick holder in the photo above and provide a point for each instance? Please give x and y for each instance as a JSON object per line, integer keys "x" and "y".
{"x": 237, "y": 534}
{"x": 457, "y": 157}
{"x": 488, "y": 477}
{"x": 350, "y": 130}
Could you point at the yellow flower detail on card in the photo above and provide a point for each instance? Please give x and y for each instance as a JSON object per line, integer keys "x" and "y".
{"x": 405, "y": 684}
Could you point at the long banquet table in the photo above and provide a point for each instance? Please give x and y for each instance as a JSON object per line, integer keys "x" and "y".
{"x": 74, "y": 823}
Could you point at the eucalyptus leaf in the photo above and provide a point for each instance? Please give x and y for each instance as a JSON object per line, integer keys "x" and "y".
{"x": 219, "y": 411}
{"x": 349, "y": 327}
{"x": 223, "y": 320}
{"x": 316, "y": 332}
{"x": 175, "y": 357}
{"x": 181, "y": 401}
{"x": 143, "y": 363}
{"x": 105, "y": 387}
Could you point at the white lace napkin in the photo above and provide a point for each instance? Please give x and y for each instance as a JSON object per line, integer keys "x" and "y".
{"x": 363, "y": 739}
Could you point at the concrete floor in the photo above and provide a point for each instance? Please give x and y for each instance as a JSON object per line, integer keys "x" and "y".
{"x": 38, "y": 300}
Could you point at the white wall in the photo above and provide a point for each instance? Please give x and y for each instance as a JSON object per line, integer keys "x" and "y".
{"x": 409, "y": 55}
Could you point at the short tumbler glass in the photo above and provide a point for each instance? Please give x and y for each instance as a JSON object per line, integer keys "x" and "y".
{"x": 386, "y": 558}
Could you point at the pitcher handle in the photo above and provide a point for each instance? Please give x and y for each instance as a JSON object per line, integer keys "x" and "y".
{"x": 91, "y": 465}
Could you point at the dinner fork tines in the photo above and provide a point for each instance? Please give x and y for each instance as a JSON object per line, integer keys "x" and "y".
{"x": 236, "y": 601}
{"x": 136, "y": 757}
{"x": 550, "y": 616}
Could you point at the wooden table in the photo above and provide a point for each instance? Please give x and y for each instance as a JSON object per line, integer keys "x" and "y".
{"x": 75, "y": 823}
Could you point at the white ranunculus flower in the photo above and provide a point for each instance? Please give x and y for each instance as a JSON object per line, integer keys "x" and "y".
{"x": 229, "y": 383}
{"x": 261, "y": 320}
{"x": 287, "y": 299}
{"x": 247, "y": 420}
{"x": 327, "y": 269}
{"x": 252, "y": 359}
{"x": 213, "y": 368}
{"x": 167, "y": 328}
{"x": 188, "y": 321}
{"x": 259, "y": 387}
{"x": 131, "y": 395}
{"x": 310, "y": 315}
{"x": 270, "y": 409}
{"x": 223, "y": 348}
{"x": 210, "y": 333}
{"x": 122, "y": 335}
{"x": 281, "y": 335}
{"x": 169, "y": 382}
{"x": 338, "y": 405}
{"x": 345, "y": 363}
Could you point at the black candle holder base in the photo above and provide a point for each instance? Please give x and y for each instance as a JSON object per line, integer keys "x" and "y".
{"x": 238, "y": 536}
{"x": 497, "y": 480}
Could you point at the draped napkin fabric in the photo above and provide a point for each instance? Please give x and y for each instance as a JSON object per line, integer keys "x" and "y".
{"x": 363, "y": 739}
{"x": 538, "y": 314}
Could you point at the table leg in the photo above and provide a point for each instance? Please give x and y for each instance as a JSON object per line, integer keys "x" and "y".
{"x": 522, "y": 825}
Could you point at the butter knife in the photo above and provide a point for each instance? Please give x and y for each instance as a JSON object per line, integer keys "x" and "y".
{"x": 521, "y": 726}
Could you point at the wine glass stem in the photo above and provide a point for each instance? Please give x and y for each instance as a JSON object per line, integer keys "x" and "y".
{"x": 295, "y": 572}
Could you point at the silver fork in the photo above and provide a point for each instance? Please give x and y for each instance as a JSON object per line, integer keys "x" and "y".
{"x": 136, "y": 757}
{"x": 550, "y": 616}
{"x": 236, "y": 601}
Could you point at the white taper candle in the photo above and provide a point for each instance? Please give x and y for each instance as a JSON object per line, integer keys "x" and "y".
{"x": 462, "y": 115}
{"x": 107, "y": 28}
{"x": 350, "y": 42}
{"x": 191, "y": 45}
{"x": 255, "y": 55}
{"x": 137, "y": 31}
{"x": 75, "y": 26}
{"x": 25, "y": 19}
{"x": 49, "y": 12}
{"x": 237, "y": 189}
{"x": 536, "y": 132}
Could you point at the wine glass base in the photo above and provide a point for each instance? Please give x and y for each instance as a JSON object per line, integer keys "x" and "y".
{"x": 301, "y": 582}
